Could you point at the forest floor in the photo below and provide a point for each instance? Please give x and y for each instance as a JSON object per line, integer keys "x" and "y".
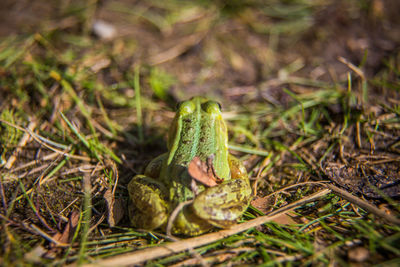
{"x": 309, "y": 91}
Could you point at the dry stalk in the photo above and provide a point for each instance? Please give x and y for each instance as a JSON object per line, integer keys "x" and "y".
{"x": 22, "y": 142}
{"x": 363, "y": 204}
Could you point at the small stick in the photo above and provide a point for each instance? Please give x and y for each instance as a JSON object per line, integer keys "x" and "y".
{"x": 174, "y": 214}
{"x": 352, "y": 67}
{"x": 363, "y": 204}
{"x": 358, "y": 134}
{"x": 47, "y": 237}
{"x": 36, "y": 161}
{"x": 177, "y": 50}
{"x": 21, "y": 144}
{"x": 294, "y": 185}
{"x": 39, "y": 139}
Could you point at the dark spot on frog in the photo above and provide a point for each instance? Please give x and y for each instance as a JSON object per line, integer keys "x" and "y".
{"x": 220, "y": 193}
{"x": 187, "y": 120}
{"x": 238, "y": 208}
{"x": 209, "y": 210}
{"x": 228, "y": 213}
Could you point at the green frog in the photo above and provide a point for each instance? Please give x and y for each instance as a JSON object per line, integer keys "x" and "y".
{"x": 197, "y": 130}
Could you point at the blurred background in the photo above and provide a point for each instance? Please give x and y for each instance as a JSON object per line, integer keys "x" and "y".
{"x": 228, "y": 48}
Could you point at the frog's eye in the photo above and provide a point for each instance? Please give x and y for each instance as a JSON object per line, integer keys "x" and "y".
{"x": 212, "y": 107}
{"x": 185, "y": 107}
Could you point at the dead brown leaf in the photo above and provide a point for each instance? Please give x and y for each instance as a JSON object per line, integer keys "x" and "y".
{"x": 63, "y": 239}
{"x": 69, "y": 230}
{"x": 115, "y": 208}
{"x": 284, "y": 218}
{"x": 204, "y": 172}
{"x": 262, "y": 203}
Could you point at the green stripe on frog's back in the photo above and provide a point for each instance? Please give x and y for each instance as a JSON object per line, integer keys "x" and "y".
{"x": 222, "y": 165}
{"x": 187, "y": 136}
{"x": 214, "y": 142}
{"x": 183, "y": 149}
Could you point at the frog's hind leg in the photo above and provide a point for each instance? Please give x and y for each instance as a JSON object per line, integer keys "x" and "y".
{"x": 148, "y": 208}
{"x": 189, "y": 224}
{"x": 223, "y": 204}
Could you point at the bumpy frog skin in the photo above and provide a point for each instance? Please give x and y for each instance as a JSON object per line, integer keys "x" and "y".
{"x": 197, "y": 130}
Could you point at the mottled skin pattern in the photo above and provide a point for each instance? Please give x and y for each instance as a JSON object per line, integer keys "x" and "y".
{"x": 197, "y": 130}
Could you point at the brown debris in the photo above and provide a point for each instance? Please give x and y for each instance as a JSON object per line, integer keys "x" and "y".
{"x": 371, "y": 181}
{"x": 204, "y": 172}
{"x": 115, "y": 208}
{"x": 62, "y": 240}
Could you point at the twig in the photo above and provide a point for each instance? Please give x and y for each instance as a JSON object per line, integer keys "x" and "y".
{"x": 34, "y": 162}
{"x": 2, "y": 195}
{"x": 220, "y": 257}
{"x": 83, "y": 168}
{"x": 103, "y": 216}
{"x": 177, "y": 50}
{"x": 21, "y": 144}
{"x": 47, "y": 237}
{"x": 352, "y": 67}
{"x": 288, "y": 258}
{"x": 383, "y": 161}
{"x": 86, "y": 215}
{"x": 39, "y": 139}
{"x": 266, "y": 161}
{"x": 363, "y": 204}
{"x": 33, "y": 171}
{"x": 173, "y": 215}
{"x": 115, "y": 173}
{"x": 67, "y": 207}
{"x": 143, "y": 255}
{"x": 358, "y": 134}
{"x": 294, "y": 185}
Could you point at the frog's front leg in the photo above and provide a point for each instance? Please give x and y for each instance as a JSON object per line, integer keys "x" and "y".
{"x": 148, "y": 207}
{"x": 222, "y": 205}
{"x": 153, "y": 169}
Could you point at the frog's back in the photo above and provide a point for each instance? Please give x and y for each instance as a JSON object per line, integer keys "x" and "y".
{"x": 198, "y": 130}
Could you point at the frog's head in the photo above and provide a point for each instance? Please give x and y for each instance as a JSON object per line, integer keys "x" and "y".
{"x": 197, "y": 111}
{"x": 208, "y": 108}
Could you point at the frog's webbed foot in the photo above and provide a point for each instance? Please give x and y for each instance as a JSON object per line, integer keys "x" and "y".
{"x": 147, "y": 208}
{"x": 187, "y": 223}
{"x": 223, "y": 204}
